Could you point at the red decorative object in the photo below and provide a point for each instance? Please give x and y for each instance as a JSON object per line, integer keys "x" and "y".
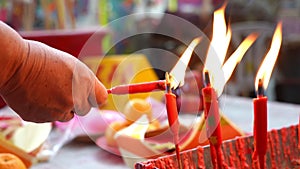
{"x": 138, "y": 87}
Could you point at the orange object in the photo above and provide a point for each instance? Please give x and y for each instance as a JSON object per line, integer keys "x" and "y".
{"x": 135, "y": 108}
{"x": 112, "y": 129}
{"x": 7, "y": 147}
{"x": 9, "y": 161}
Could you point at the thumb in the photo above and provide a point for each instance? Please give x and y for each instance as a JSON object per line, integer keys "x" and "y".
{"x": 98, "y": 95}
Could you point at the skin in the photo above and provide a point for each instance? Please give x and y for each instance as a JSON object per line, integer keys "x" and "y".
{"x": 43, "y": 84}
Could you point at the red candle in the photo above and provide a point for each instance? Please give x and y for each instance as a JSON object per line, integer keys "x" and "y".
{"x": 260, "y": 125}
{"x": 172, "y": 112}
{"x": 299, "y": 133}
{"x": 213, "y": 129}
{"x": 260, "y": 103}
{"x": 138, "y": 87}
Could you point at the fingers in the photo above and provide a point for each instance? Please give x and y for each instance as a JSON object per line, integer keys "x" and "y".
{"x": 99, "y": 95}
{"x": 67, "y": 116}
{"x": 88, "y": 91}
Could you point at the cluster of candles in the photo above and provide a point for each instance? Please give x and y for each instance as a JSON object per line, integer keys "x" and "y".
{"x": 210, "y": 92}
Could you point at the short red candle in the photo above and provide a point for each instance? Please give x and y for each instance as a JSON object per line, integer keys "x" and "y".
{"x": 172, "y": 112}
{"x": 138, "y": 87}
{"x": 260, "y": 126}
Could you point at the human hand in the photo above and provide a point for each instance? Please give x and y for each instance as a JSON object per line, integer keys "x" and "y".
{"x": 52, "y": 85}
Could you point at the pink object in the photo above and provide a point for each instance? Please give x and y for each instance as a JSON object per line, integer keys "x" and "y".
{"x": 92, "y": 124}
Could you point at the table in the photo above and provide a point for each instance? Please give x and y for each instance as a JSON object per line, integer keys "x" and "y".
{"x": 78, "y": 155}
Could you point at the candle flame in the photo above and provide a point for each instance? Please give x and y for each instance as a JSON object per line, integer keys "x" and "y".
{"x": 266, "y": 68}
{"x": 221, "y": 35}
{"x": 237, "y": 56}
{"x": 220, "y": 72}
{"x": 219, "y": 43}
{"x": 178, "y": 71}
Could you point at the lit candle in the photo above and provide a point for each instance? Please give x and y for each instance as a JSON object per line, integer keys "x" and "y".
{"x": 213, "y": 129}
{"x": 172, "y": 112}
{"x": 260, "y": 124}
{"x": 138, "y": 87}
{"x": 260, "y": 103}
{"x": 299, "y": 133}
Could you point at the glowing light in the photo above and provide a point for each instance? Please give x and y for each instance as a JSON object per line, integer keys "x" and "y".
{"x": 220, "y": 72}
{"x": 178, "y": 71}
{"x": 266, "y": 68}
{"x": 237, "y": 56}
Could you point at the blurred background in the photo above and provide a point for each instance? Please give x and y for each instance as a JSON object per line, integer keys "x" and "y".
{"x": 68, "y": 24}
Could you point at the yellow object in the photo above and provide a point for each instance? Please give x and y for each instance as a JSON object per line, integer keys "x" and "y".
{"x": 103, "y": 12}
{"x": 119, "y": 70}
{"x": 10, "y": 161}
{"x": 31, "y": 136}
{"x": 135, "y": 108}
{"x": 112, "y": 129}
{"x": 60, "y": 5}
{"x": 172, "y": 5}
{"x": 198, "y": 132}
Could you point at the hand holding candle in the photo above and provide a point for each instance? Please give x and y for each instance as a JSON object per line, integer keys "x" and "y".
{"x": 260, "y": 103}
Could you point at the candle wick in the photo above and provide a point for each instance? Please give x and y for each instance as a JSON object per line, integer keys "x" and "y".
{"x": 168, "y": 83}
{"x": 206, "y": 79}
{"x": 260, "y": 89}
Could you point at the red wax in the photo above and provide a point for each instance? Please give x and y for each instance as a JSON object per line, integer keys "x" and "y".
{"x": 173, "y": 121}
{"x": 213, "y": 129}
{"x": 172, "y": 111}
{"x": 138, "y": 87}
{"x": 260, "y": 128}
{"x": 299, "y": 133}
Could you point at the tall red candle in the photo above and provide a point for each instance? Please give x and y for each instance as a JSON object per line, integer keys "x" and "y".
{"x": 299, "y": 133}
{"x": 172, "y": 112}
{"x": 213, "y": 129}
{"x": 260, "y": 125}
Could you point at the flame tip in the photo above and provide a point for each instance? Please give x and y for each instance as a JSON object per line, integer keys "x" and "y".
{"x": 176, "y": 76}
{"x": 267, "y": 65}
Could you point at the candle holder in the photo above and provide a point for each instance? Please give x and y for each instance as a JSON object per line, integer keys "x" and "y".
{"x": 282, "y": 152}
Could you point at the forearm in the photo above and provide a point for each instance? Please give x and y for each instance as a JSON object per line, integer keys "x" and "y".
{"x": 41, "y": 83}
{"x": 23, "y": 60}
{"x": 13, "y": 52}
